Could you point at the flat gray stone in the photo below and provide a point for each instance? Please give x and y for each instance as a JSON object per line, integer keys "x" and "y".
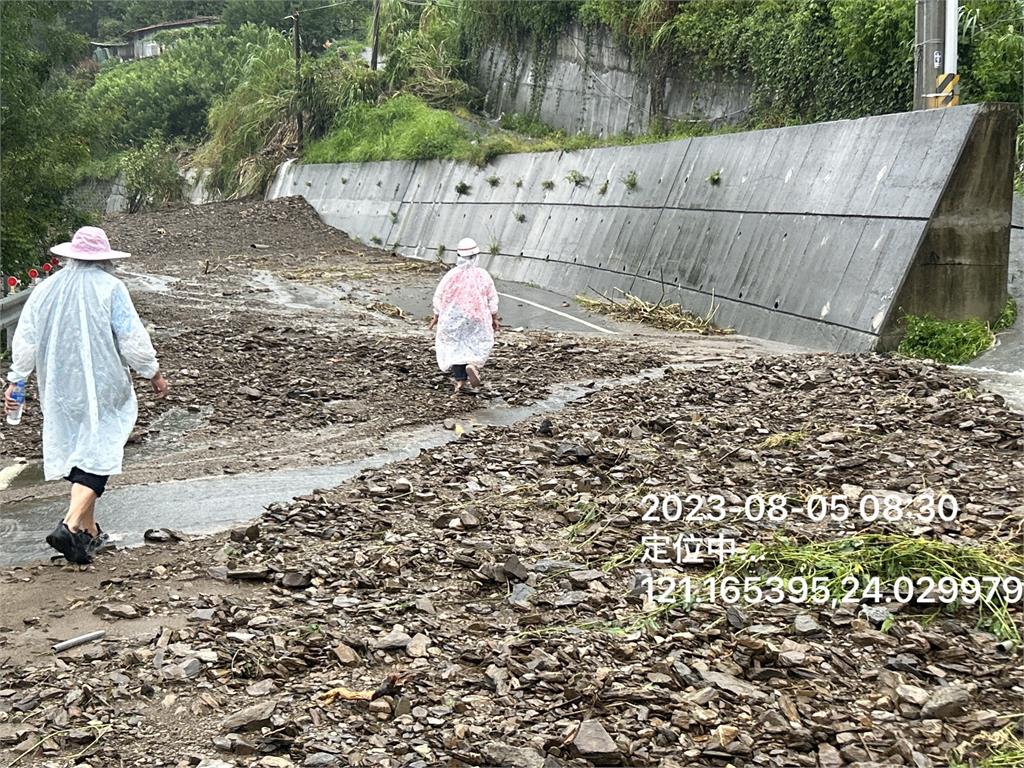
{"x": 251, "y": 718}
{"x": 396, "y": 639}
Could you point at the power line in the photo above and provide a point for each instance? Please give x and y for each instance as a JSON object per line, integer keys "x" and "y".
{"x": 322, "y": 7}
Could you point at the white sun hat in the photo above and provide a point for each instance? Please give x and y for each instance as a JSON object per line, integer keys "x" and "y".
{"x": 88, "y": 244}
{"x": 467, "y": 247}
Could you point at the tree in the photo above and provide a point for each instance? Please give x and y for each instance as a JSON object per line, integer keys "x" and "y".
{"x": 319, "y": 25}
{"x": 41, "y": 147}
{"x": 112, "y": 18}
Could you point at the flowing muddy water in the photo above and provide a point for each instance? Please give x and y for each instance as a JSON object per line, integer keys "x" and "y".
{"x": 209, "y": 504}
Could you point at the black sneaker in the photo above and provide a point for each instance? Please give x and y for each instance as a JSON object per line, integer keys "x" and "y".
{"x": 74, "y": 546}
{"x": 98, "y": 543}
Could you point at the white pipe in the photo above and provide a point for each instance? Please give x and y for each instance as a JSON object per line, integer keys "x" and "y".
{"x": 952, "y": 21}
{"x": 80, "y": 640}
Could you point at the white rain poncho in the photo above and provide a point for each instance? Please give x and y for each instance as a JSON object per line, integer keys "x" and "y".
{"x": 464, "y": 301}
{"x": 80, "y": 331}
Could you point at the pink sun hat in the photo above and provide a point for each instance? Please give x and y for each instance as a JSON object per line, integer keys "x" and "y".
{"x": 88, "y": 244}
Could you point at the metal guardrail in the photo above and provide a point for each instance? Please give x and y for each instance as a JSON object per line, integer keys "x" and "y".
{"x": 10, "y": 312}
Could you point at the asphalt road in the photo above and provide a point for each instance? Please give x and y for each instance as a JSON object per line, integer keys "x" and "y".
{"x": 519, "y": 306}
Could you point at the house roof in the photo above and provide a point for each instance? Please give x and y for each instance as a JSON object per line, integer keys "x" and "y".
{"x": 173, "y": 25}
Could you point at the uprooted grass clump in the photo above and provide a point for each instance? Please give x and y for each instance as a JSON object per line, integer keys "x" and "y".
{"x": 784, "y": 439}
{"x": 671, "y": 317}
{"x": 1001, "y": 749}
{"x": 890, "y": 557}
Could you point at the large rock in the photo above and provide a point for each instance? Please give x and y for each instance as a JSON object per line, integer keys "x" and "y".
{"x": 396, "y": 639}
{"x": 249, "y": 719}
{"x": 912, "y": 694}
{"x": 829, "y": 757}
{"x": 593, "y": 743}
{"x": 346, "y": 655}
{"x": 513, "y": 757}
{"x": 948, "y": 701}
{"x": 732, "y": 684}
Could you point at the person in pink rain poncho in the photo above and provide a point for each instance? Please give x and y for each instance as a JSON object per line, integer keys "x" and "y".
{"x": 466, "y": 317}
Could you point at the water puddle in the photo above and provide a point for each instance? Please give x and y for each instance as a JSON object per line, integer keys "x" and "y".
{"x": 209, "y": 504}
{"x": 11, "y": 477}
{"x": 169, "y": 429}
{"x": 149, "y": 282}
{"x": 1009, "y": 384}
{"x": 296, "y": 295}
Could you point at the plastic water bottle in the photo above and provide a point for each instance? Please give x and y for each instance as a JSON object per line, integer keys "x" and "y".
{"x": 18, "y": 396}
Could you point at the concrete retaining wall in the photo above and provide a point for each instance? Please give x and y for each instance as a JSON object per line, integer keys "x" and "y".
{"x": 812, "y": 234}
{"x": 1016, "y": 281}
{"x": 590, "y": 84}
{"x": 105, "y": 197}
{"x": 101, "y": 196}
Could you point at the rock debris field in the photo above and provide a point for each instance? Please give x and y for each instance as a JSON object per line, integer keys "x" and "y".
{"x": 497, "y": 601}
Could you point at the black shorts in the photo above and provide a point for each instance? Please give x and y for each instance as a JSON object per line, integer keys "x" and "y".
{"x": 96, "y": 483}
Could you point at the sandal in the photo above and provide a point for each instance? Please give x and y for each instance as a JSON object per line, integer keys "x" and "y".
{"x": 473, "y": 374}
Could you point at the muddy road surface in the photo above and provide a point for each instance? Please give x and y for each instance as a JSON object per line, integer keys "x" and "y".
{"x": 573, "y": 569}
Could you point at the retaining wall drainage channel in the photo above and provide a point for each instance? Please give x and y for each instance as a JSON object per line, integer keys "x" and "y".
{"x": 210, "y": 504}
{"x": 819, "y": 235}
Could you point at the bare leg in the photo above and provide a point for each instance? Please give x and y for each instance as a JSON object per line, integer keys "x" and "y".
{"x": 81, "y": 513}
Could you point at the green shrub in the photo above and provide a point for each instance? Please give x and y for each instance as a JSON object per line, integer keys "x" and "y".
{"x": 150, "y": 175}
{"x": 170, "y": 95}
{"x": 421, "y": 52}
{"x": 402, "y": 128}
{"x": 953, "y": 342}
{"x": 321, "y": 22}
{"x": 329, "y": 85}
{"x": 525, "y": 125}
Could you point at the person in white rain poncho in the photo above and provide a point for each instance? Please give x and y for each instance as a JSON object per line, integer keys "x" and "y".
{"x": 79, "y": 330}
{"x": 466, "y": 317}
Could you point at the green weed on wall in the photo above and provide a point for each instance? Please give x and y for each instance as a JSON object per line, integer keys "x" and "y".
{"x": 809, "y": 60}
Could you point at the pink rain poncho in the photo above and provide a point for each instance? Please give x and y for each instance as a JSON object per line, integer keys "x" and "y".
{"x": 464, "y": 301}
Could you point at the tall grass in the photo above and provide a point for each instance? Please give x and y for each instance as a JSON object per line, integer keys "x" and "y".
{"x": 255, "y": 126}
{"x": 250, "y": 127}
{"x": 402, "y": 128}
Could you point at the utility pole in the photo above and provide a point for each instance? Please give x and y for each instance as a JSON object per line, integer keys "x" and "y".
{"x": 375, "y": 45}
{"x": 936, "y": 83}
{"x": 298, "y": 75}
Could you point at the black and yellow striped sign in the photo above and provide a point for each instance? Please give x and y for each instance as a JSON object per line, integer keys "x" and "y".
{"x": 947, "y": 90}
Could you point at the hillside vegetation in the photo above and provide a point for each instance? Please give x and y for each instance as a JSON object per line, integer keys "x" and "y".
{"x": 226, "y": 99}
